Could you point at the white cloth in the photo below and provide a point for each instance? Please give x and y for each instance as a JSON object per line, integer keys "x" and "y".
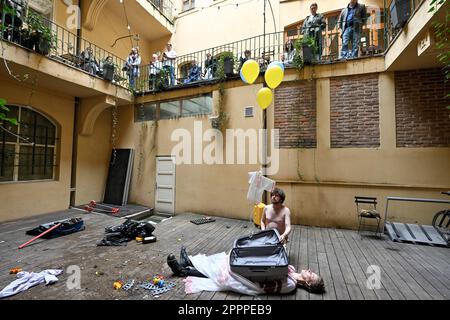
{"x": 221, "y": 278}
{"x": 155, "y": 67}
{"x": 169, "y": 59}
{"x": 26, "y": 280}
{"x": 258, "y": 183}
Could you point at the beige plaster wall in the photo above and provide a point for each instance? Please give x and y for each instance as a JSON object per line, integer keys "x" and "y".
{"x": 25, "y": 199}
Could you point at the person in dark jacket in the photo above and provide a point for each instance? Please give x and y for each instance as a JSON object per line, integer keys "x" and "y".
{"x": 351, "y": 21}
{"x": 313, "y": 26}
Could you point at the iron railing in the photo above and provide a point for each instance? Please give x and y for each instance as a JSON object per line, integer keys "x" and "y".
{"x": 402, "y": 9}
{"x": 45, "y": 37}
{"x": 165, "y": 7}
{"x": 263, "y": 48}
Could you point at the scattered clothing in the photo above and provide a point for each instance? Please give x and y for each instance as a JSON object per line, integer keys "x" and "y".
{"x": 26, "y": 280}
{"x": 67, "y": 226}
{"x": 127, "y": 231}
{"x": 258, "y": 183}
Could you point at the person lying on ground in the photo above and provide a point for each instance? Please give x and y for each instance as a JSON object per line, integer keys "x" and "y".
{"x": 212, "y": 273}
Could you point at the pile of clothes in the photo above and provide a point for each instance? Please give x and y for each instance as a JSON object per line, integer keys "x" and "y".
{"x": 129, "y": 230}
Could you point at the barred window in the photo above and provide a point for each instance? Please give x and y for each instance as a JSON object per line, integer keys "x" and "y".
{"x": 28, "y": 150}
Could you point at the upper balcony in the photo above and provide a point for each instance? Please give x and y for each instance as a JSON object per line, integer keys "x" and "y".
{"x": 36, "y": 48}
{"x": 410, "y": 34}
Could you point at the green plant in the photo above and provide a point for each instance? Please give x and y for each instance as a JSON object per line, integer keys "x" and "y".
{"x": 442, "y": 35}
{"x": 3, "y": 113}
{"x": 298, "y": 60}
{"x": 43, "y": 34}
{"x": 310, "y": 42}
{"x": 220, "y": 73}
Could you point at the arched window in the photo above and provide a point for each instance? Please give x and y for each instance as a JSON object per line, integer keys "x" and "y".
{"x": 27, "y": 151}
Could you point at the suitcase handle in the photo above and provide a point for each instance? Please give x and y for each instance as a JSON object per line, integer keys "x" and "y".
{"x": 259, "y": 269}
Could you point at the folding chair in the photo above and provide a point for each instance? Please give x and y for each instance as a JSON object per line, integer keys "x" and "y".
{"x": 370, "y": 213}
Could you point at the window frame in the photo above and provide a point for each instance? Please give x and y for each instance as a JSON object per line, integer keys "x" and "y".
{"x": 19, "y": 144}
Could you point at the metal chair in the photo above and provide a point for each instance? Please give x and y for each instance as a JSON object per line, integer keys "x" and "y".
{"x": 370, "y": 213}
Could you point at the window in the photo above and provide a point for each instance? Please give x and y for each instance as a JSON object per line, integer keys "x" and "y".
{"x": 188, "y": 107}
{"x": 188, "y": 4}
{"x": 145, "y": 112}
{"x": 196, "y": 106}
{"x": 27, "y": 151}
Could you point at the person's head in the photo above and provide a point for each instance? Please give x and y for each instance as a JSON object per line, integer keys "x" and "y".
{"x": 109, "y": 59}
{"x": 169, "y": 46}
{"x": 208, "y": 55}
{"x": 154, "y": 57}
{"x": 89, "y": 50}
{"x": 310, "y": 281}
{"x": 313, "y": 8}
{"x": 289, "y": 46}
{"x": 247, "y": 53}
{"x": 353, "y": 2}
{"x": 277, "y": 196}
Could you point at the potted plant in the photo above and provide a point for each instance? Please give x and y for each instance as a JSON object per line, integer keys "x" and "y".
{"x": 47, "y": 41}
{"x": 41, "y": 35}
{"x": 309, "y": 49}
{"x": 226, "y": 65}
{"x": 108, "y": 68}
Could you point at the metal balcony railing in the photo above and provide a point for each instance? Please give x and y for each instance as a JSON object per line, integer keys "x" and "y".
{"x": 165, "y": 7}
{"x": 263, "y": 48}
{"x": 397, "y": 13}
{"x": 42, "y": 36}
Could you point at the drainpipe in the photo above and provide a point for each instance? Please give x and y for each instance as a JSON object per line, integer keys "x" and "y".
{"x": 73, "y": 172}
{"x": 79, "y": 30}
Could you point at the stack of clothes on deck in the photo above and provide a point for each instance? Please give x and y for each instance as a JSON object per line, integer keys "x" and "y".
{"x": 129, "y": 230}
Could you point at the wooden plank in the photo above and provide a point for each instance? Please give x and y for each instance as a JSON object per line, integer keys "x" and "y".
{"x": 324, "y": 268}
{"x": 387, "y": 267}
{"x": 313, "y": 262}
{"x": 302, "y": 261}
{"x": 358, "y": 270}
{"x": 365, "y": 260}
{"x": 346, "y": 269}
{"x": 336, "y": 273}
{"x": 417, "y": 281}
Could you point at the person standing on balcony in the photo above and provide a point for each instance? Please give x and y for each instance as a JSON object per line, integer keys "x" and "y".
{"x": 154, "y": 69}
{"x": 169, "y": 62}
{"x": 351, "y": 21}
{"x": 313, "y": 26}
{"x": 210, "y": 67}
{"x": 133, "y": 63}
{"x": 88, "y": 62}
{"x": 242, "y": 60}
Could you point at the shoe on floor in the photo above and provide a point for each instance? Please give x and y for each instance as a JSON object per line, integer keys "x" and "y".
{"x": 184, "y": 258}
{"x": 176, "y": 268}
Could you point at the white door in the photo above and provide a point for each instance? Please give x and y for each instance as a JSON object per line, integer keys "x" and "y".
{"x": 165, "y": 185}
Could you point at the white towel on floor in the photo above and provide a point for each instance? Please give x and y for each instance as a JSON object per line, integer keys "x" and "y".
{"x": 26, "y": 280}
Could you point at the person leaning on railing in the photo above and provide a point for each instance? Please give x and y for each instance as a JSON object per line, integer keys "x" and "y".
{"x": 288, "y": 54}
{"x": 169, "y": 57}
{"x": 210, "y": 67}
{"x": 15, "y": 20}
{"x": 313, "y": 26}
{"x": 153, "y": 70}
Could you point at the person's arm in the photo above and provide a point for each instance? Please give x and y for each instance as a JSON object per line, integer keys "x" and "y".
{"x": 263, "y": 218}
{"x": 323, "y": 24}
{"x": 304, "y": 25}
{"x": 287, "y": 221}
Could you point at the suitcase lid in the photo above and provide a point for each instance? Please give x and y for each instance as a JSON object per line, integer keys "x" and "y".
{"x": 269, "y": 237}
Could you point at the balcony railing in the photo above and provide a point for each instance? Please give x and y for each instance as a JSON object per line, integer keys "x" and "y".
{"x": 398, "y": 13}
{"x": 35, "y": 33}
{"x": 165, "y": 7}
{"x": 263, "y": 48}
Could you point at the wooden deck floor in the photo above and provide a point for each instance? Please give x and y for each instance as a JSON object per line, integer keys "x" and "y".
{"x": 342, "y": 257}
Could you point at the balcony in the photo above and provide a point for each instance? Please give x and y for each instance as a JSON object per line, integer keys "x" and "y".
{"x": 62, "y": 60}
{"x": 410, "y": 34}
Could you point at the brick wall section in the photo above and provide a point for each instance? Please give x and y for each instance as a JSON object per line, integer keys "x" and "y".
{"x": 354, "y": 114}
{"x": 295, "y": 114}
{"x": 422, "y": 119}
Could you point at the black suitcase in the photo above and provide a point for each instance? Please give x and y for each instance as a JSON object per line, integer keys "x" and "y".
{"x": 260, "y": 257}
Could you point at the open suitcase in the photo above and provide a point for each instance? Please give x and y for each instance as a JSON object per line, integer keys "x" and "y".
{"x": 260, "y": 257}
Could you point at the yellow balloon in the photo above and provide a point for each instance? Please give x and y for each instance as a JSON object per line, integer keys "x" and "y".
{"x": 250, "y": 71}
{"x": 264, "y": 97}
{"x": 274, "y": 75}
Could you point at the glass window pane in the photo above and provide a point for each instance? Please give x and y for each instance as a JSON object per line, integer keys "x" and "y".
{"x": 36, "y": 166}
{"x": 145, "y": 112}
{"x": 12, "y": 114}
{"x": 168, "y": 110}
{"x": 6, "y": 162}
{"x": 36, "y": 127}
{"x": 196, "y": 106}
